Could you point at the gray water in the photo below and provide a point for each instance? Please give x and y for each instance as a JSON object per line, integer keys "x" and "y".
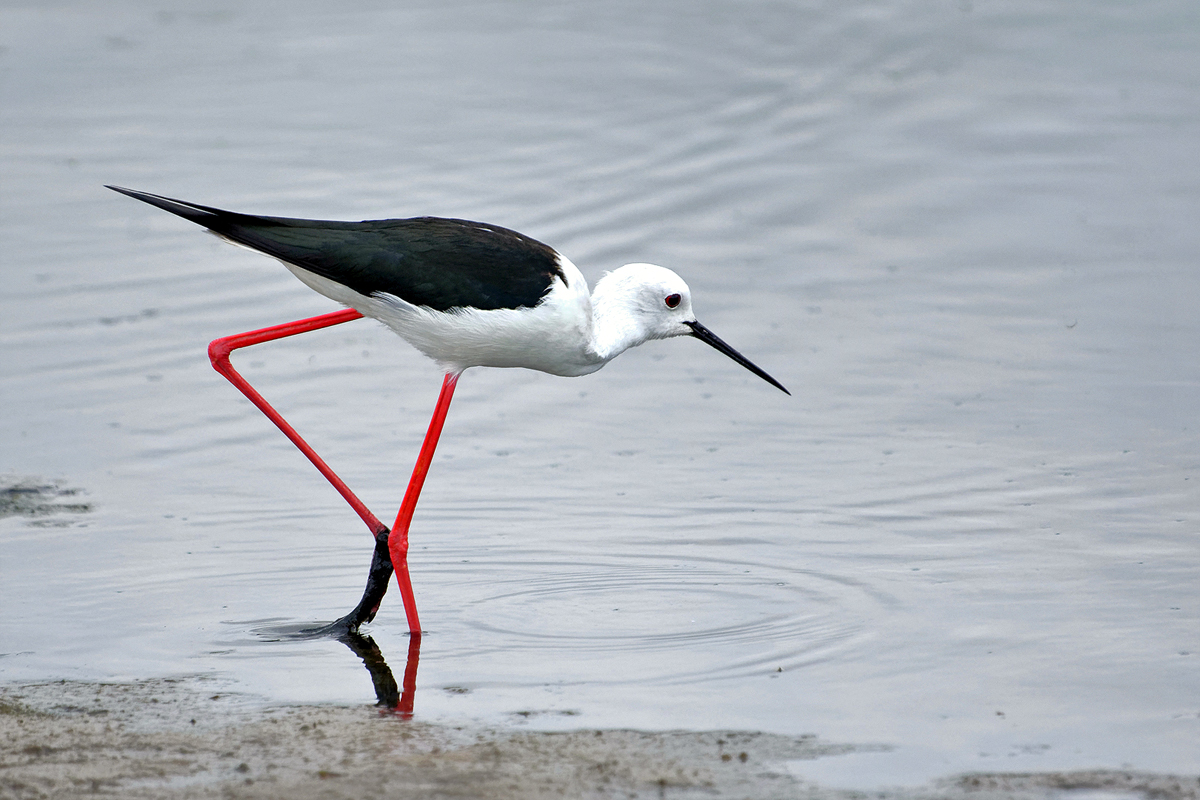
{"x": 964, "y": 234}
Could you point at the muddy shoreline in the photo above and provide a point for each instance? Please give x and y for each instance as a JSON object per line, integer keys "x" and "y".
{"x": 177, "y": 739}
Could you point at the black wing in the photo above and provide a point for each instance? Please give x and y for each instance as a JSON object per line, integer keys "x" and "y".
{"x": 426, "y": 261}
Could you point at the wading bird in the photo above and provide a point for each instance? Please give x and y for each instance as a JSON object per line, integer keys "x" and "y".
{"x": 465, "y": 294}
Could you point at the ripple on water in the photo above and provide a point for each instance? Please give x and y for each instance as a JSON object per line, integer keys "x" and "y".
{"x": 694, "y": 619}
{"x": 650, "y": 618}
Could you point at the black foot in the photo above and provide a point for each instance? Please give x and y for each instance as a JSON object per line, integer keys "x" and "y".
{"x": 377, "y": 584}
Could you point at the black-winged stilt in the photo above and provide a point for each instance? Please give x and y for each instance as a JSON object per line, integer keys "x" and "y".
{"x": 465, "y": 294}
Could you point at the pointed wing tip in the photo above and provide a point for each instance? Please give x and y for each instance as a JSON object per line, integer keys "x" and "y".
{"x": 145, "y": 197}
{"x": 201, "y": 215}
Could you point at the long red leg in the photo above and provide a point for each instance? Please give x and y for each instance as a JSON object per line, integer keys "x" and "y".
{"x": 381, "y": 564}
{"x": 218, "y": 353}
{"x": 398, "y": 541}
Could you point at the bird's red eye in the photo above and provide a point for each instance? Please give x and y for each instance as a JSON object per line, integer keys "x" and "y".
{"x": 673, "y": 300}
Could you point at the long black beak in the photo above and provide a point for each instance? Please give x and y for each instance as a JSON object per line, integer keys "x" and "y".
{"x": 708, "y": 337}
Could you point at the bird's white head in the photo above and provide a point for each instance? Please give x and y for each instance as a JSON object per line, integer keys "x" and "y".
{"x": 639, "y": 302}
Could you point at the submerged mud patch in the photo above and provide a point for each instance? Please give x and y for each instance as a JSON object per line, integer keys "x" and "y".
{"x": 41, "y": 501}
{"x": 191, "y": 739}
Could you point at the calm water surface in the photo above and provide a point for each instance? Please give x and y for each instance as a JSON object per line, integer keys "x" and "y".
{"x": 962, "y": 233}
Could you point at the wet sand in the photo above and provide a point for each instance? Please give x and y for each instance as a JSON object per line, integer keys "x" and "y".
{"x": 188, "y": 739}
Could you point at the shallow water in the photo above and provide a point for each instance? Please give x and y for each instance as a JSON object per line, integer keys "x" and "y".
{"x": 962, "y": 234}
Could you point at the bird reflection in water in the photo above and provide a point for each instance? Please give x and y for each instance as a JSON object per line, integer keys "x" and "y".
{"x": 395, "y": 700}
{"x": 388, "y": 695}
